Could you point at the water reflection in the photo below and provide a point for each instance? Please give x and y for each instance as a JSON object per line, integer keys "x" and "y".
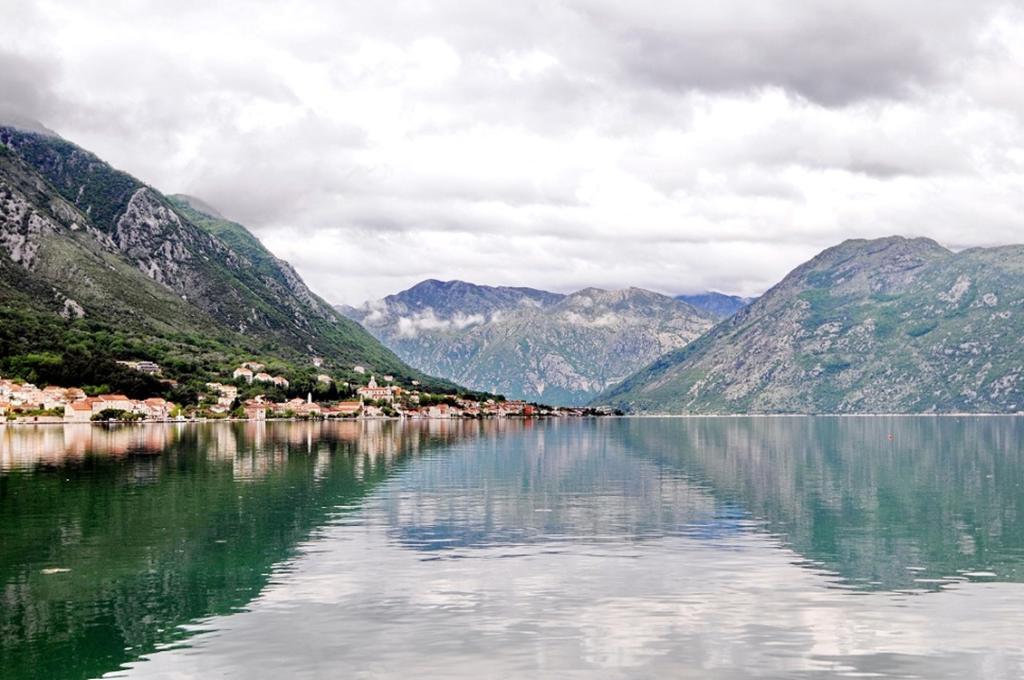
{"x": 113, "y": 537}
{"x": 890, "y": 503}
{"x": 649, "y": 548}
{"x": 710, "y": 548}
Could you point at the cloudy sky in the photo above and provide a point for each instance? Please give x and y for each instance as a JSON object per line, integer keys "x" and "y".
{"x": 673, "y": 145}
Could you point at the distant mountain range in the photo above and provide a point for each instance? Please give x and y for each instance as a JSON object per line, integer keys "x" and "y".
{"x": 97, "y": 266}
{"x": 719, "y": 305}
{"x": 531, "y": 344}
{"x": 887, "y": 325}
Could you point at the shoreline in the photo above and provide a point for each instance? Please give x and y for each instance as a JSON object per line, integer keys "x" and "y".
{"x": 637, "y": 416}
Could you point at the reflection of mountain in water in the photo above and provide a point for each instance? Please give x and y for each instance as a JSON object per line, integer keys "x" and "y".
{"x": 157, "y": 541}
{"x": 885, "y": 502}
{"x": 561, "y": 480}
{"x": 941, "y": 498}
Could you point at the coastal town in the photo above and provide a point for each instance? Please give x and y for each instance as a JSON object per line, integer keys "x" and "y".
{"x": 24, "y": 402}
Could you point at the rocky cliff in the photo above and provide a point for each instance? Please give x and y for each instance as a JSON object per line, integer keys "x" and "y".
{"x": 530, "y": 344}
{"x": 888, "y": 325}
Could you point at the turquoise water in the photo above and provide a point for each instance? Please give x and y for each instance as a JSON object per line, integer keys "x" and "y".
{"x": 618, "y": 548}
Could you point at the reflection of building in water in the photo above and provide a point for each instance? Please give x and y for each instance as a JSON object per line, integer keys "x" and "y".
{"x": 254, "y": 450}
{"x": 22, "y": 447}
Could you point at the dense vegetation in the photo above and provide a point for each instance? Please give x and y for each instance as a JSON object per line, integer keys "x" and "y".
{"x": 95, "y": 267}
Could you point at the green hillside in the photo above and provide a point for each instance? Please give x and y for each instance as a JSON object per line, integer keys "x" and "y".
{"x": 888, "y": 325}
{"x": 95, "y": 266}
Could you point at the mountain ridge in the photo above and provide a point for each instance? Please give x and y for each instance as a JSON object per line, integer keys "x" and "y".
{"x": 65, "y": 211}
{"x": 526, "y": 343}
{"x": 867, "y": 326}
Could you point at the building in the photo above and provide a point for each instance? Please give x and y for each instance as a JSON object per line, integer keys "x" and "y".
{"x": 263, "y": 377}
{"x": 280, "y": 381}
{"x": 373, "y": 392}
{"x": 116, "y": 402}
{"x": 324, "y": 379}
{"x": 226, "y": 394}
{"x": 359, "y": 369}
{"x": 439, "y": 411}
{"x": 157, "y": 408}
{"x": 253, "y": 366}
{"x": 255, "y": 410}
{"x": 78, "y": 412}
{"x": 148, "y": 367}
{"x": 317, "y": 361}
{"x": 243, "y": 373}
{"x": 345, "y": 408}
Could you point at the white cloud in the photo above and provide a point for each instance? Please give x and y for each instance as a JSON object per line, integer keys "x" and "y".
{"x": 674, "y": 147}
{"x": 427, "y": 320}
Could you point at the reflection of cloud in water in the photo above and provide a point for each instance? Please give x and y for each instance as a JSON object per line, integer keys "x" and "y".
{"x": 679, "y": 608}
{"x": 550, "y": 484}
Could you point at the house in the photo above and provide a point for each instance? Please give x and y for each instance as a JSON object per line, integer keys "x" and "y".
{"x": 117, "y": 402}
{"x": 78, "y": 411}
{"x": 324, "y": 379}
{"x": 346, "y": 408}
{"x": 372, "y": 392}
{"x": 226, "y": 393}
{"x": 513, "y": 407}
{"x": 242, "y": 373}
{"x": 389, "y": 378}
{"x": 253, "y": 366}
{"x": 53, "y": 396}
{"x": 263, "y": 377}
{"x": 280, "y": 381}
{"x": 157, "y": 408}
{"x": 147, "y": 367}
{"x": 317, "y": 361}
{"x": 255, "y": 410}
{"x": 359, "y": 369}
{"x": 308, "y": 409}
{"x": 439, "y": 411}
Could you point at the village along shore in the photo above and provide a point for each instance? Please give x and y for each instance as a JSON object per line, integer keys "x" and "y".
{"x": 25, "y": 403}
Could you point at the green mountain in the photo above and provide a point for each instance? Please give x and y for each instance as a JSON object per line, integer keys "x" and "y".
{"x": 889, "y": 325}
{"x": 530, "y": 344}
{"x": 96, "y": 266}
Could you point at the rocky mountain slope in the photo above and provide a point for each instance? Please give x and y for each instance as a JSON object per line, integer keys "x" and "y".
{"x": 719, "y": 305}
{"x": 530, "y": 344}
{"x": 91, "y": 258}
{"x": 887, "y": 325}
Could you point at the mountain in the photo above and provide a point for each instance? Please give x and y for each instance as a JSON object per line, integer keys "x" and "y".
{"x": 719, "y": 305}
{"x": 452, "y": 300}
{"x": 95, "y": 263}
{"x": 530, "y": 344}
{"x": 888, "y": 325}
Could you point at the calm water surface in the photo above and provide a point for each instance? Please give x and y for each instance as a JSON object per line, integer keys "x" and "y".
{"x": 615, "y": 548}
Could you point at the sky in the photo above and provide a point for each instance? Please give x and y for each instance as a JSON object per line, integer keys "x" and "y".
{"x": 677, "y": 146}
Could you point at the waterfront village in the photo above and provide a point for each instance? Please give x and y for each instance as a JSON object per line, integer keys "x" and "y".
{"x": 22, "y": 402}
